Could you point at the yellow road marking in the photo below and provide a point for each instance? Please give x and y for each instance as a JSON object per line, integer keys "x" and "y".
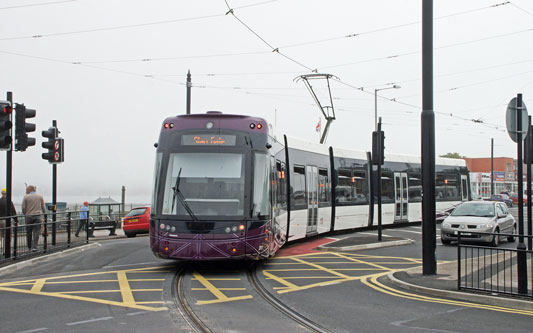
{"x": 225, "y": 289}
{"x": 87, "y": 299}
{"x": 331, "y": 271}
{"x": 38, "y": 285}
{"x": 125, "y": 290}
{"x": 376, "y": 285}
{"x": 214, "y": 290}
{"x": 120, "y": 277}
{"x": 279, "y": 280}
{"x": 227, "y": 299}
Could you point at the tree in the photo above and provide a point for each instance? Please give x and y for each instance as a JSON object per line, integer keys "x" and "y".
{"x": 452, "y": 155}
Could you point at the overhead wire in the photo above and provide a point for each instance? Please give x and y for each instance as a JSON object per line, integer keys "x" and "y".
{"x": 38, "y": 4}
{"x": 127, "y": 26}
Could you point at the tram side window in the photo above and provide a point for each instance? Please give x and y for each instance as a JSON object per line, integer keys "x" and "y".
{"x": 323, "y": 187}
{"x": 415, "y": 187}
{"x": 447, "y": 187}
{"x": 351, "y": 188}
{"x": 298, "y": 187}
{"x": 387, "y": 187}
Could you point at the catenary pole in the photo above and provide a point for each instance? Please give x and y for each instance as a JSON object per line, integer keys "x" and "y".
{"x": 189, "y": 85}
{"x": 429, "y": 245}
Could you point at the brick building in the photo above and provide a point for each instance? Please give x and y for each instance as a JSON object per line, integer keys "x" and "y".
{"x": 504, "y": 175}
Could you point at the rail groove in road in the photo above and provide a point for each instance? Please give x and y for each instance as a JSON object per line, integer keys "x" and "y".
{"x": 181, "y": 303}
{"x": 261, "y": 290}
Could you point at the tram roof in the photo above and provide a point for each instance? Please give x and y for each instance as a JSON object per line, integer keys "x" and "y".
{"x": 360, "y": 154}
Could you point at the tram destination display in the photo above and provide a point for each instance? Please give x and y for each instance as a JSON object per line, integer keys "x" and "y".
{"x": 208, "y": 140}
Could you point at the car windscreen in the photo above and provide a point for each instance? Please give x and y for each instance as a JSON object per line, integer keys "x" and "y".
{"x": 474, "y": 209}
{"x": 137, "y": 212}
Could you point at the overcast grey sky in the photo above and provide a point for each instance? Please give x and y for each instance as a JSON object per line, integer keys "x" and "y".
{"x": 110, "y": 71}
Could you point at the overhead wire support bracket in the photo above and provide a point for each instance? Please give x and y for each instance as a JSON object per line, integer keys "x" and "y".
{"x": 327, "y": 111}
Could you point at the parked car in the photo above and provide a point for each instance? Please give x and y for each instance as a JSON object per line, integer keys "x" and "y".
{"x": 514, "y": 197}
{"x": 440, "y": 215}
{"x": 491, "y": 217}
{"x": 137, "y": 221}
{"x": 501, "y": 198}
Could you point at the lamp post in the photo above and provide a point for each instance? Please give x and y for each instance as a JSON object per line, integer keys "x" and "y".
{"x": 376, "y": 102}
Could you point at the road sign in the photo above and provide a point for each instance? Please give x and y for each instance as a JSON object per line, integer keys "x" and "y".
{"x": 510, "y": 120}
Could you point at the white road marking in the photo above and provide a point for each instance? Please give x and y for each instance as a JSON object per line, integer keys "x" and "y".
{"x": 35, "y": 330}
{"x": 136, "y": 313}
{"x": 137, "y": 264}
{"x": 89, "y": 321}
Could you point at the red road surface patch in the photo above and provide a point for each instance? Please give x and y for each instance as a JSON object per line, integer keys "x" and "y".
{"x": 303, "y": 248}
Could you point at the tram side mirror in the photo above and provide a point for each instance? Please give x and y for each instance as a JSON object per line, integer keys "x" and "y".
{"x": 156, "y": 144}
{"x": 268, "y": 145}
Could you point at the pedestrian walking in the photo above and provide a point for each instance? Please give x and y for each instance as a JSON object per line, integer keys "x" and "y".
{"x": 4, "y": 212}
{"x": 32, "y": 207}
{"x": 84, "y": 215}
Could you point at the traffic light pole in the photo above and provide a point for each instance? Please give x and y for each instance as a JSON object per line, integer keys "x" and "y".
{"x": 54, "y": 195}
{"x": 9, "y": 174}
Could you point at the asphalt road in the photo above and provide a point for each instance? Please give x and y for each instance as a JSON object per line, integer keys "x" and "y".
{"x": 120, "y": 286}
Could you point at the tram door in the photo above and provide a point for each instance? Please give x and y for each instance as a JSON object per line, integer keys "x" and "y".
{"x": 401, "y": 198}
{"x": 312, "y": 198}
{"x": 464, "y": 188}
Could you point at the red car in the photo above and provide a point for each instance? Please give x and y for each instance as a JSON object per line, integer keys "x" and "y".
{"x": 514, "y": 196}
{"x": 137, "y": 221}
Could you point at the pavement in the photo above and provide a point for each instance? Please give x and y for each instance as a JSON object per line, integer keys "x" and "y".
{"x": 443, "y": 284}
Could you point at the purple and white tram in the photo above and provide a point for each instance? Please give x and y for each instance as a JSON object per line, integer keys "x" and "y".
{"x": 226, "y": 187}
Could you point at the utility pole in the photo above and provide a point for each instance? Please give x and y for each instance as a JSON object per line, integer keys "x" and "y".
{"x": 429, "y": 228}
{"x": 189, "y": 85}
{"x": 491, "y": 166}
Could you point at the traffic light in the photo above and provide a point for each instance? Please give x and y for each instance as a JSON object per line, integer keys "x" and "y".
{"x": 378, "y": 147}
{"x": 51, "y": 135}
{"x": 22, "y": 128}
{"x": 5, "y": 125}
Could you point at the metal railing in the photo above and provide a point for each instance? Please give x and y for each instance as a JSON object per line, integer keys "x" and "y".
{"x": 493, "y": 269}
{"x": 55, "y": 233}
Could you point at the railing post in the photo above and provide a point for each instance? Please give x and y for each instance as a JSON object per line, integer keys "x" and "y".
{"x": 45, "y": 233}
{"x": 86, "y": 228}
{"x": 458, "y": 260}
{"x": 69, "y": 223}
{"x": 7, "y": 238}
{"x": 15, "y": 236}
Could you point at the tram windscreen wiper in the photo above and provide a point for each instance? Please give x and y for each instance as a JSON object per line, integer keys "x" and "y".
{"x": 179, "y": 195}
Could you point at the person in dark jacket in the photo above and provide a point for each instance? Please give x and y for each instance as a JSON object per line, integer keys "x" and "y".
{"x": 3, "y": 212}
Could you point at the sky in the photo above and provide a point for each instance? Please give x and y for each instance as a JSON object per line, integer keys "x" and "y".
{"x": 110, "y": 71}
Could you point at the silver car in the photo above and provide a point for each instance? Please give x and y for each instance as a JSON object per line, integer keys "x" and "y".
{"x": 474, "y": 217}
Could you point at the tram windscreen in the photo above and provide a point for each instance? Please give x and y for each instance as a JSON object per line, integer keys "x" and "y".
{"x": 205, "y": 184}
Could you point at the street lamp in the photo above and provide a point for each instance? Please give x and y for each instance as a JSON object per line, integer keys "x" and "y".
{"x": 376, "y": 102}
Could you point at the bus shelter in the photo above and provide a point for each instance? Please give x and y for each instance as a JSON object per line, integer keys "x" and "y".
{"x": 103, "y": 209}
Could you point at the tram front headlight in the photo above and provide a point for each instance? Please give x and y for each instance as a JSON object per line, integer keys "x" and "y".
{"x": 234, "y": 228}
{"x": 167, "y": 227}
{"x": 172, "y": 229}
{"x": 227, "y": 230}
{"x": 162, "y": 226}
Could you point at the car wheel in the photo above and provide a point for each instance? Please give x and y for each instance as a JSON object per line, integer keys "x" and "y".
{"x": 512, "y": 238}
{"x": 445, "y": 241}
{"x": 130, "y": 234}
{"x": 495, "y": 239}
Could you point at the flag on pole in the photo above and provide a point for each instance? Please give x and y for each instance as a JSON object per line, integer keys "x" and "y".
{"x": 318, "y": 125}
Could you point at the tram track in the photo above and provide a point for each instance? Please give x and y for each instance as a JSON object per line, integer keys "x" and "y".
{"x": 181, "y": 303}
{"x": 279, "y": 305}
